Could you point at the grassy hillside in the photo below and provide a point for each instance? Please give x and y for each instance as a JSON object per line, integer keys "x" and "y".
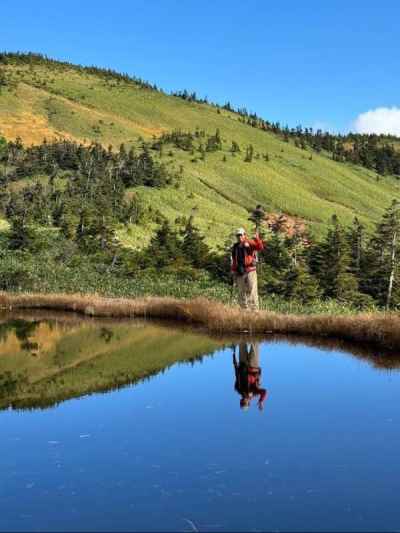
{"x": 45, "y": 362}
{"x": 60, "y": 101}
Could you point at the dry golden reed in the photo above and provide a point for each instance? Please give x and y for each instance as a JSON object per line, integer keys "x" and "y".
{"x": 380, "y": 329}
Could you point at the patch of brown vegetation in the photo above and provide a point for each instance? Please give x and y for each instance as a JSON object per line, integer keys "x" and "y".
{"x": 31, "y": 128}
{"x": 378, "y": 329}
{"x": 92, "y": 112}
{"x": 286, "y": 224}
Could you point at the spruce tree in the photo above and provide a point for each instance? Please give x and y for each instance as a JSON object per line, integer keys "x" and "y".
{"x": 235, "y": 147}
{"x": 300, "y": 285}
{"x": 3, "y": 80}
{"x": 257, "y": 216}
{"x": 165, "y": 248}
{"x": 249, "y": 154}
{"x": 22, "y": 236}
{"x": 276, "y": 262}
{"x": 331, "y": 261}
{"x": 380, "y": 272}
{"x": 193, "y": 246}
{"x": 355, "y": 238}
{"x": 202, "y": 152}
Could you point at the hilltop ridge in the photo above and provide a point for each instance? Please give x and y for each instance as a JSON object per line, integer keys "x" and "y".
{"x": 42, "y": 98}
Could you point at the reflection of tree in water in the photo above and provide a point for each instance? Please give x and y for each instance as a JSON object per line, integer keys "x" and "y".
{"x": 60, "y": 358}
{"x": 4, "y": 331}
{"x": 23, "y": 330}
{"x": 378, "y": 357}
{"x": 10, "y": 383}
{"x": 106, "y": 334}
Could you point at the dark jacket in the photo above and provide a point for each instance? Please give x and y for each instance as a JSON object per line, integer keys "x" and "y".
{"x": 244, "y": 255}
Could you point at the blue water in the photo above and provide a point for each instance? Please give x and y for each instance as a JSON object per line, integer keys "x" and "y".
{"x": 177, "y": 453}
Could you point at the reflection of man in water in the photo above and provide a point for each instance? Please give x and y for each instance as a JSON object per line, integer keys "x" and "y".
{"x": 248, "y": 375}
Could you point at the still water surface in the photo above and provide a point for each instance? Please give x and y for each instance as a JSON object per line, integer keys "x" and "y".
{"x": 178, "y": 452}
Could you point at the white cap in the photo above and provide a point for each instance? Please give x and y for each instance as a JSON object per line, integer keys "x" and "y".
{"x": 240, "y": 231}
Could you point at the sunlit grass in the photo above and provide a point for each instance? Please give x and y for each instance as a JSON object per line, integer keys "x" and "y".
{"x": 4, "y": 225}
{"x": 219, "y": 194}
{"x": 378, "y": 328}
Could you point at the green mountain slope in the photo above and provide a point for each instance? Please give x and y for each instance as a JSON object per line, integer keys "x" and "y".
{"x": 56, "y": 100}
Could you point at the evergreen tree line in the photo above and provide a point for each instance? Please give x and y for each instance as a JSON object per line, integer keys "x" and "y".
{"x": 348, "y": 265}
{"x": 84, "y": 198}
{"x": 85, "y": 192}
{"x": 32, "y": 59}
{"x": 375, "y": 152}
{"x": 132, "y": 167}
{"x": 199, "y": 143}
{"x": 189, "y": 96}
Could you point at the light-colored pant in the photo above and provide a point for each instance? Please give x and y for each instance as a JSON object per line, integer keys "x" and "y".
{"x": 248, "y": 290}
{"x": 249, "y": 356}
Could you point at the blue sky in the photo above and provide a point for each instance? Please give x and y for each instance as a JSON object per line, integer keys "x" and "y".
{"x": 312, "y": 62}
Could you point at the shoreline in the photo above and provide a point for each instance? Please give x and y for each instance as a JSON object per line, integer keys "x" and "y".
{"x": 379, "y": 329}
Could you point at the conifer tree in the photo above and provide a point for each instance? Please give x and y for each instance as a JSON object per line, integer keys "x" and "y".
{"x": 3, "y": 80}
{"x": 276, "y": 263}
{"x": 380, "y": 272}
{"x": 257, "y": 216}
{"x": 249, "y": 154}
{"x": 193, "y": 246}
{"x": 202, "y": 152}
{"x": 355, "y": 238}
{"x": 22, "y": 236}
{"x": 300, "y": 284}
{"x": 164, "y": 248}
{"x": 331, "y": 262}
{"x": 214, "y": 142}
{"x": 235, "y": 147}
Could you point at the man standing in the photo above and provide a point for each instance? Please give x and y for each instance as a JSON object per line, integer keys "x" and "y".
{"x": 243, "y": 267}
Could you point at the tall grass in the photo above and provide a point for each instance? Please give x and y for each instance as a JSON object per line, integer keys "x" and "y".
{"x": 42, "y": 274}
{"x": 379, "y": 329}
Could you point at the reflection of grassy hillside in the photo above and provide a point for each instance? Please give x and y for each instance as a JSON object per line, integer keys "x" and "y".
{"x": 64, "y": 361}
{"x": 60, "y": 101}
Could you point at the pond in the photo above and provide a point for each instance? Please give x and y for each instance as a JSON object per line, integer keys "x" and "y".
{"x": 123, "y": 426}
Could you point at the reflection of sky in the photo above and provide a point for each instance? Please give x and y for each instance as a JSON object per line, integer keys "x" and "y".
{"x": 176, "y": 449}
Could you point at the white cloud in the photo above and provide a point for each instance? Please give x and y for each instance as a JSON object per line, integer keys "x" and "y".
{"x": 384, "y": 120}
